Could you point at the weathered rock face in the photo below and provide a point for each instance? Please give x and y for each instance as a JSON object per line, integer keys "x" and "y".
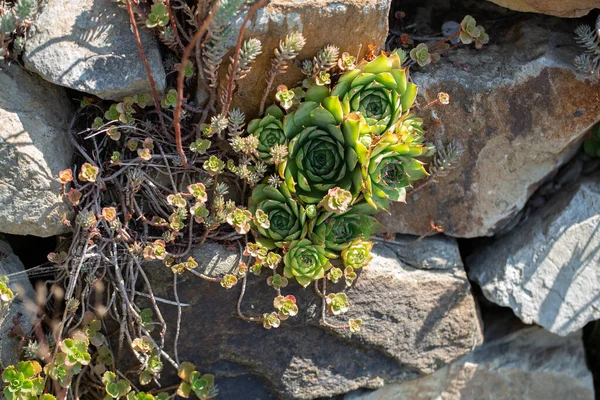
{"x": 529, "y": 364}
{"x": 346, "y": 24}
{"x": 417, "y": 309}
{"x": 24, "y": 294}
{"x": 88, "y": 45}
{"x": 559, "y": 8}
{"x": 546, "y": 270}
{"x": 34, "y": 147}
{"x": 517, "y": 109}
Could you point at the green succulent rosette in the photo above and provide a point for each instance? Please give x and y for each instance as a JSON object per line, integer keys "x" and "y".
{"x": 306, "y": 262}
{"x": 324, "y": 150}
{"x": 379, "y": 90}
{"x": 287, "y": 218}
{"x": 392, "y": 166}
{"x": 357, "y": 254}
{"x": 23, "y": 381}
{"x": 337, "y": 231}
{"x": 269, "y": 131}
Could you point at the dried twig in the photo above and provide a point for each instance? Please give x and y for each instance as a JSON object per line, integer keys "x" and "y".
{"x": 239, "y": 304}
{"x": 138, "y": 41}
{"x": 236, "y": 57}
{"x": 178, "y": 326}
{"x": 173, "y": 24}
{"x": 181, "y": 77}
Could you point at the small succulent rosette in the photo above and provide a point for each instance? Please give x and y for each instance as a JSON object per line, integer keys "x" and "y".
{"x": 323, "y": 150}
{"x": 269, "y": 131}
{"x": 392, "y": 166}
{"x": 337, "y": 231}
{"x": 306, "y": 262}
{"x": 379, "y": 90}
{"x": 286, "y": 217}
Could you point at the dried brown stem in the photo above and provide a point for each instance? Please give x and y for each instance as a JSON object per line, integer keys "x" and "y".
{"x": 205, "y": 277}
{"x": 239, "y": 304}
{"x": 276, "y": 65}
{"x": 178, "y": 327}
{"x": 173, "y": 24}
{"x": 433, "y": 230}
{"x": 138, "y": 41}
{"x": 236, "y": 57}
{"x": 181, "y": 77}
{"x": 422, "y": 185}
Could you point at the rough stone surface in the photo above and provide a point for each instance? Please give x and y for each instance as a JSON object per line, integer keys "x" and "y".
{"x": 546, "y": 269}
{"x": 559, "y": 8}
{"x": 518, "y": 110}
{"x": 346, "y": 24}
{"x": 527, "y": 364}
{"x": 34, "y": 147}
{"x": 10, "y": 265}
{"x": 88, "y": 45}
{"x": 416, "y": 304}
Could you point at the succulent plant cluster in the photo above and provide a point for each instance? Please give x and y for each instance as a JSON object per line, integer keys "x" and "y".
{"x": 23, "y": 382}
{"x": 338, "y": 155}
{"x": 28, "y": 380}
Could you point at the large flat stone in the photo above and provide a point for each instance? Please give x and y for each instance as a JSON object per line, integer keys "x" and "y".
{"x": 34, "y": 147}
{"x": 546, "y": 269}
{"x": 559, "y": 8}
{"x": 526, "y": 364}
{"x": 88, "y": 45}
{"x": 519, "y": 112}
{"x": 415, "y": 301}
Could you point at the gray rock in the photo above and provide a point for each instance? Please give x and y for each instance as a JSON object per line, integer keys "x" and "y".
{"x": 519, "y": 111}
{"x": 560, "y": 8}
{"x": 416, "y": 304}
{"x": 21, "y": 306}
{"x": 34, "y": 147}
{"x": 88, "y": 45}
{"x": 529, "y": 364}
{"x": 591, "y": 165}
{"x": 546, "y": 270}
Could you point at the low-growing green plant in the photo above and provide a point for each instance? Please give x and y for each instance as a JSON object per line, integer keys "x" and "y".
{"x": 72, "y": 355}
{"x": 194, "y": 382}
{"x": 159, "y": 15}
{"x": 115, "y": 389}
{"x": 23, "y": 381}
